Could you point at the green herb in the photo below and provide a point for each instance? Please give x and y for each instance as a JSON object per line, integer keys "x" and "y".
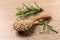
{"x": 23, "y": 12}
{"x": 46, "y": 27}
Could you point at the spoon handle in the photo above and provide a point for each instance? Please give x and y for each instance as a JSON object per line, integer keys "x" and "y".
{"x": 42, "y": 16}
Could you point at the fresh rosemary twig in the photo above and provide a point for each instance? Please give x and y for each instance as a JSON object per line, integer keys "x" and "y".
{"x": 47, "y": 27}
{"x": 23, "y": 12}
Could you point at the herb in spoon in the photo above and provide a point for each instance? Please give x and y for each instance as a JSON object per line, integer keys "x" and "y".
{"x": 23, "y": 25}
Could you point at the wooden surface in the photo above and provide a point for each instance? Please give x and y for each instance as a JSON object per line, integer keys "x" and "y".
{"x": 7, "y": 17}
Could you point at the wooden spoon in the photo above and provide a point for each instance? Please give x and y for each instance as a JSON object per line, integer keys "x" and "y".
{"x": 24, "y": 25}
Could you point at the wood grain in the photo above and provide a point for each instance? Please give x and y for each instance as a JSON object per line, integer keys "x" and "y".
{"x": 7, "y": 17}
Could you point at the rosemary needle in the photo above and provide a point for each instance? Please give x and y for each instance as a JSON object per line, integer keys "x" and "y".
{"x": 50, "y": 27}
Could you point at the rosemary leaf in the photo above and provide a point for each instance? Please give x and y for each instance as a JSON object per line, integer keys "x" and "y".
{"x": 54, "y": 30}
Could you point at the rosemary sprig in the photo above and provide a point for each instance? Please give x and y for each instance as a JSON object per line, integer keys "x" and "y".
{"x": 23, "y": 12}
{"x": 46, "y": 27}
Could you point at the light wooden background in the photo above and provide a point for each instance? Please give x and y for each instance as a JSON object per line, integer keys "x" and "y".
{"x": 7, "y": 17}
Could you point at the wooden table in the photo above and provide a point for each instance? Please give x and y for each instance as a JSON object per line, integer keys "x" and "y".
{"x": 7, "y": 17}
